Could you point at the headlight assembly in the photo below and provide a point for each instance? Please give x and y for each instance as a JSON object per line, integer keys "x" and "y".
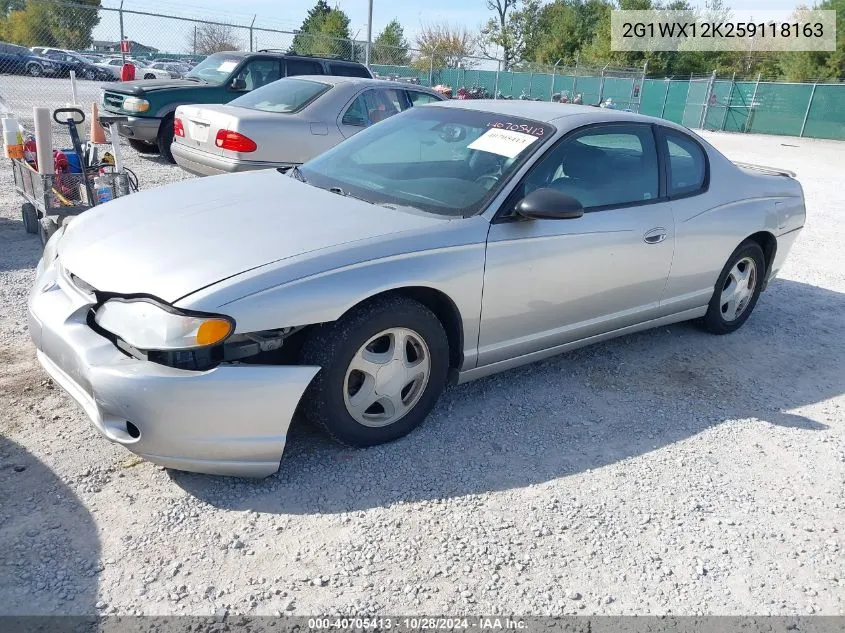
{"x": 134, "y": 104}
{"x": 147, "y": 325}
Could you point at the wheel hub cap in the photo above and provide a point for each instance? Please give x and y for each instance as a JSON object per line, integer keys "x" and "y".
{"x": 386, "y": 377}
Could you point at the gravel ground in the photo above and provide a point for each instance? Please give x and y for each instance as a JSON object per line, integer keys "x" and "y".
{"x": 665, "y": 472}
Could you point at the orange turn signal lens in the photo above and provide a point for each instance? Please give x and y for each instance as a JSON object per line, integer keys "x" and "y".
{"x": 213, "y": 331}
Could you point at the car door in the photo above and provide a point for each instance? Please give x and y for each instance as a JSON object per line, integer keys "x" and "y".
{"x": 550, "y": 282}
{"x": 371, "y": 106}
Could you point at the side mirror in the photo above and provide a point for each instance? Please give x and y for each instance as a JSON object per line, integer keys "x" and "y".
{"x": 549, "y": 204}
{"x": 238, "y": 84}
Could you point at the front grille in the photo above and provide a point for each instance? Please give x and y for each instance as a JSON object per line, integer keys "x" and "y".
{"x": 113, "y": 101}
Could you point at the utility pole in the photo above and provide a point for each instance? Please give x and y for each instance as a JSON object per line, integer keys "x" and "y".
{"x": 195, "y": 40}
{"x": 369, "y": 35}
{"x": 122, "y": 36}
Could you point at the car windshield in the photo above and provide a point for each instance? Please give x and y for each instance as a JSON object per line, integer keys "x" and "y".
{"x": 284, "y": 96}
{"x": 447, "y": 161}
{"x": 215, "y": 68}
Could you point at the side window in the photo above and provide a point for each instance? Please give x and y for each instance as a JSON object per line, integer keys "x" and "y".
{"x": 421, "y": 98}
{"x": 601, "y": 166}
{"x": 687, "y": 164}
{"x": 372, "y": 106}
{"x": 348, "y": 70}
{"x": 356, "y": 114}
{"x": 303, "y": 67}
{"x": 259, "y": 72}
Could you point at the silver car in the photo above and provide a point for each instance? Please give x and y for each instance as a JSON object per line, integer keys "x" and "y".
{"x": 285, "y": 122}
{"x": 445, "y": 244}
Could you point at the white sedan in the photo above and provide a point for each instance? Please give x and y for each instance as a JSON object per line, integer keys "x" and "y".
{"x": 115, "y": 64}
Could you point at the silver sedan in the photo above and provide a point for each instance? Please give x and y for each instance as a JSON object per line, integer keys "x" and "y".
{"x": 285, "y": 122}
{"x": 445, "y": 244}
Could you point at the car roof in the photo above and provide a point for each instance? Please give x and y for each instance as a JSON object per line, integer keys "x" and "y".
{"x": 333, "y": 60}
{"x": 335, "y": 80}
{"x": 549, "y": 111}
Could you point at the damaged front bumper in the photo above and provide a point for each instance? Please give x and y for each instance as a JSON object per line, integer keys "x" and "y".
{"x": 229, "y": 420}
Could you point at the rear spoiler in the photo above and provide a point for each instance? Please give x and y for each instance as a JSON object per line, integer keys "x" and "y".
{"x": 773, "y": 171}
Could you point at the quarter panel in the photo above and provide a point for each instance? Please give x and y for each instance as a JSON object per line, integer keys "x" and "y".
{"x": 710, "y": 226}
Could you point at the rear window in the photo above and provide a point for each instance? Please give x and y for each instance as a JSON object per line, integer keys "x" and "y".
{"x": 284, "y": 96}
{"x": 348, "y": 70}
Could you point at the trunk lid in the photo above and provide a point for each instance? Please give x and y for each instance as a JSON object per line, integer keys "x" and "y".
{"x": 201, "y": 125}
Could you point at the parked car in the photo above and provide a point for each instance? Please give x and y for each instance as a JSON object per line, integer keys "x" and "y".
{"x": 147, "y": 70}
{"x": 350, "y": 288}
{"x": 69, "y": 60}
{"x": 173, "y": 69}
{"x": 219, "y": 78}
{"x": 112, "y": 65}
{"x": 17, "y": 60}
{"x": 286, "y": 122}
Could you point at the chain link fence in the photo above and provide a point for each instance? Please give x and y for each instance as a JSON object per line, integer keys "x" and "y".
{"x": 50, "y": 38}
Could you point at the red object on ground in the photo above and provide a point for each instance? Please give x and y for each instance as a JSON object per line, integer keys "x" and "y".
{"x": 127, "y": 72}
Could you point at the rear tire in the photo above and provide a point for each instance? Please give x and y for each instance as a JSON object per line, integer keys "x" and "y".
{"x": 737, "y": 290}
{"x": 353, "y": 406}
{"x": 143, "y": 147}
{"x": 30, "y": 218}
{"x": 149, "y": 76}
{"x": 165, "y": 138}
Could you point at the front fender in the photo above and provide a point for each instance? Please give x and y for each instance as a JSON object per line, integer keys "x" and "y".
{"x": 338, "y": 281}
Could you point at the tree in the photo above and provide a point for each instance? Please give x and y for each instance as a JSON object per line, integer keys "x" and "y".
{"x": 508, "y": 29}
{"x": 325, "y": 31}
{"x": 442, "y": 45}
{"x": 48, "y": 23}
{"x": 819, "y": 65}
{"x": 213, "y": 38}
{"x": 564, "y": 28}
{"x": 390, "y": 46}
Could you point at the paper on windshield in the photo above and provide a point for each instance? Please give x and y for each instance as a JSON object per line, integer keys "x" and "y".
{"x": 506, "y": 143}
{"x": 227, "y": 66}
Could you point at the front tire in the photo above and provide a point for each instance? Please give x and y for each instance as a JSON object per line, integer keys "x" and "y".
{"x": 737, "y": 289}
{"x": 384, "y": 364}
{"x": 165, "y": 139}
{"x": 35, "y": 70}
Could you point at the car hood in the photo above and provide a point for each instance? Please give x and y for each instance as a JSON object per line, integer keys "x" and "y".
{"x": 144, "y": 86}
{"x": 174, "y": 240}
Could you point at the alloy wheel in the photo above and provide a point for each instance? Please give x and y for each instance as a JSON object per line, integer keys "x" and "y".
{"x": 738, "y": 289}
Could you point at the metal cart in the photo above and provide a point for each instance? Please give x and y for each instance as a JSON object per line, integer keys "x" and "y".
{"x": 51, "y": 198}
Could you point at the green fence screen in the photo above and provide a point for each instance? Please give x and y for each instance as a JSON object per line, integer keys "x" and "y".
{"x": 816, "y": 111}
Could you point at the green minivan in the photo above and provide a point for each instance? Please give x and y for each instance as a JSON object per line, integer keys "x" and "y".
{"x": 149, "y": 104}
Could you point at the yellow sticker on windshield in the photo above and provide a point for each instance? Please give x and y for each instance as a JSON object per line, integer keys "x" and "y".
{"x": 508, "y": 143}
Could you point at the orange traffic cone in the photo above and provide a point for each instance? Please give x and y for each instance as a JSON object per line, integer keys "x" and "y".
{"x": 98, "y": 134}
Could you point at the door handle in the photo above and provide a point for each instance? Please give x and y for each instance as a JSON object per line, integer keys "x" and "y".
{"x": 655, "y": 236}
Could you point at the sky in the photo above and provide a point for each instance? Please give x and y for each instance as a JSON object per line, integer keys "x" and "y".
{"x": 288, "y": 15}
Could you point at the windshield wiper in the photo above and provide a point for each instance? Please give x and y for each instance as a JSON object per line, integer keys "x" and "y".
{"x": 295, "y": 170}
